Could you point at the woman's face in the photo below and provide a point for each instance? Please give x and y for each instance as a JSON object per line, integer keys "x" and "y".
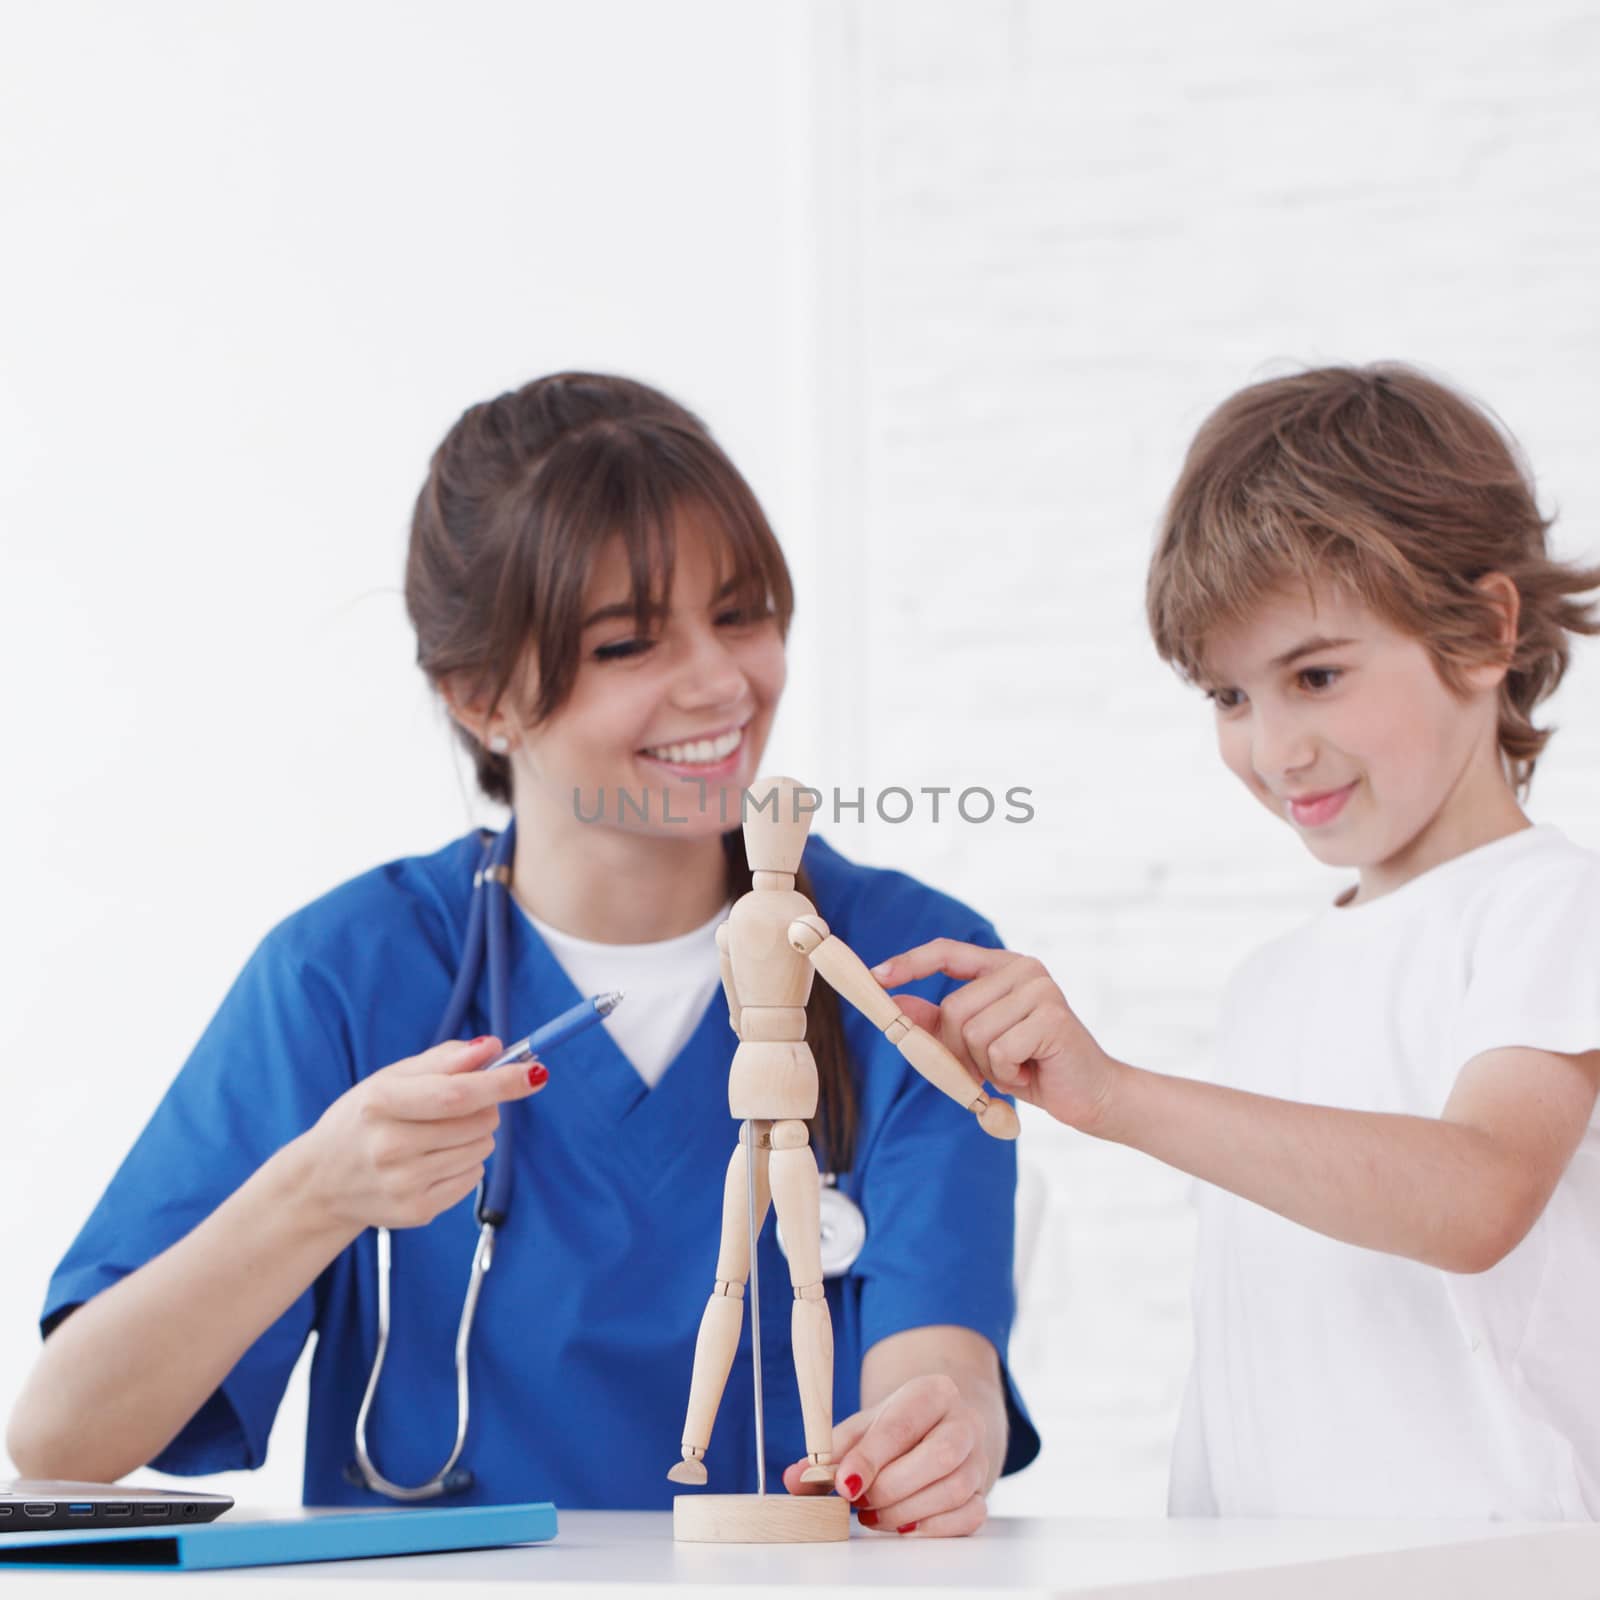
{"x": 664, "y": 730}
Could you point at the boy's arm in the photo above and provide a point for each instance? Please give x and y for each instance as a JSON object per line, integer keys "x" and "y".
{"x": 1457, "y": 1192}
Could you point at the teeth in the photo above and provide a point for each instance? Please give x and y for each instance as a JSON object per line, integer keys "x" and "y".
{"x": 700, "y": 752}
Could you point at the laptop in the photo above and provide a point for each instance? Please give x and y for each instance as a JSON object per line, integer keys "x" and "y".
{"x": 34, "y": 1505}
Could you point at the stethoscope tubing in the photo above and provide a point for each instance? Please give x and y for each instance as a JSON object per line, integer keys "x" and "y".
{"x": 487, "y": 933}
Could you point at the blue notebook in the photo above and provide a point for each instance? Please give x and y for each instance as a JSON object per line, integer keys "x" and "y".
{"x": 296, "y": 1536}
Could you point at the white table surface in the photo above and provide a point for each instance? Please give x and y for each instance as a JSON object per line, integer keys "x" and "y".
{"x": 599, "y": 1553}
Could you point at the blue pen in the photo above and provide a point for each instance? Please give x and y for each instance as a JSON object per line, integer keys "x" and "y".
{"x": 559, "y": 1029}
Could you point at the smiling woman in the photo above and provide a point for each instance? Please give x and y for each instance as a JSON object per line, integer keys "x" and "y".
{"x": 584, "y": 546}
{"x": 602, "y": 605}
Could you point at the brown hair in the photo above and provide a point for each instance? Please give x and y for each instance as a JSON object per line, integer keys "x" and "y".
{"x": 521, "y": 496}
{"x": 1392, "y": 485}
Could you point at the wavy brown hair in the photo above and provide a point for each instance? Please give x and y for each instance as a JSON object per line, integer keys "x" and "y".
{"x": 1388, "y": 483}
{"x": 521, "y": 497}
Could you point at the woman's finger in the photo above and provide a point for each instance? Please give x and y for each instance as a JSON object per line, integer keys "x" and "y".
{"x": 966, "y": 1518}
{"x": 459, "y": 1133}
{"x": 936, "y": 1474}
{"x": 440, "y": 1097}
{"x": 454, "y": 1055}
{"x": 896, "y": 1427}
{"x": 440, "y": 1166}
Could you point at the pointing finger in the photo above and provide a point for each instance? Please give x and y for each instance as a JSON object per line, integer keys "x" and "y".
{"x": 949, "y": 956}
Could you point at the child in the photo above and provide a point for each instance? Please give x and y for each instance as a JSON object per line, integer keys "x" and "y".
{"x": 1397, "y": 1294}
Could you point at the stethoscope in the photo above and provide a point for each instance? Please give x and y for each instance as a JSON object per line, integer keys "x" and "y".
{"x": 488, "y": 931}
{"x": 843, "y": 1227}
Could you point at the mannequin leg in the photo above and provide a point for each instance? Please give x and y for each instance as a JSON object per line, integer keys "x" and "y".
{"x": 718, "y": 1338}
{"x": 795, "y": 1191}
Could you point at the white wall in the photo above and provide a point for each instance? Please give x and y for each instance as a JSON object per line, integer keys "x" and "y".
{"x": 1079, "y": 229}
{"x": 258, "y": 259}
{"x": 954, "y": 281}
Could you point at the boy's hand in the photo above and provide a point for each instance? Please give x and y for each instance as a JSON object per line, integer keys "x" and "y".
{"x": 1011, "y": 1024}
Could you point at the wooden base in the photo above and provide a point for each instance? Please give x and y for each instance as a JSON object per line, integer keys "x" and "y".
{"x": 759, "y": 1518}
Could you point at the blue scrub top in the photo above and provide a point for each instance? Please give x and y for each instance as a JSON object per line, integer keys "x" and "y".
{"x": 584, "y": 1340}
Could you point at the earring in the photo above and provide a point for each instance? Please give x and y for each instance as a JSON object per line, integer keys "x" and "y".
{"x": 499, "y": 744}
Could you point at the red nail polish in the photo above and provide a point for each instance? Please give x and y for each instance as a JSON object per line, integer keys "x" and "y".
{"x": 910, "y": 1527}
{"x": 538, "y": 1074}
{"x": 868, "y": 1519}
{"x": 852, "y": 1486}
{"x": 483, "y": 1038}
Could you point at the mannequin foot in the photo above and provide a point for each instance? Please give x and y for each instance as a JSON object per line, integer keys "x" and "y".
{"x": 691, "y": 1469}
{"x": 999, "y": 1120}
{"x": 818, "y": 1472}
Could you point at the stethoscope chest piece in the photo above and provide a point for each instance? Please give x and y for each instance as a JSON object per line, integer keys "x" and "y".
{"x": 843, "y": 1232}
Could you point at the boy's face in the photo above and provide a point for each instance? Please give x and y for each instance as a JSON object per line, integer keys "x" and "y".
{"x": 1342, "y": 726}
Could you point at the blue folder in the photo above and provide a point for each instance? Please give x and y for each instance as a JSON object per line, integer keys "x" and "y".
{"x": 296, "y": 1536}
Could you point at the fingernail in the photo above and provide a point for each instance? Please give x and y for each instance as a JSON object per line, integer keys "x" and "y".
{"x": 910, "y": 1527}
{"x": 483, "y": 1038}
{"x": 868, "y": 1519}
{"x": 852, "y": 1486}
{"x": 538, "y": 1075}
{"x": 882, "y": 969}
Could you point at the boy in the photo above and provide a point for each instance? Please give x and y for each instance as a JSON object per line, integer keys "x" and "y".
{"x": 1397, "y": 1294}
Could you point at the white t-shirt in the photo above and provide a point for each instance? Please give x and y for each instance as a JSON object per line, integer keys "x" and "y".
{"x": 1330, "y": 1380}
{"x": 667, "y": 986}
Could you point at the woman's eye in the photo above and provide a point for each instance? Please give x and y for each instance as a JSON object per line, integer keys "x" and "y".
{"x": 622, "y": 649}
{"x": 1225, "y": 699}
{"x": 739, "y": 617}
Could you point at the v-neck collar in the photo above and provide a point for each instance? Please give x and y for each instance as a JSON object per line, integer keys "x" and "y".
{"x": 642, "y": 1122}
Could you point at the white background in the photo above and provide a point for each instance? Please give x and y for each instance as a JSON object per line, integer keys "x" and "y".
{"x": 954, "y": 282}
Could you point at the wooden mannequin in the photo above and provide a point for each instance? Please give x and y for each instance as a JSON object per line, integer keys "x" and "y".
{"x": 770, "y": 945}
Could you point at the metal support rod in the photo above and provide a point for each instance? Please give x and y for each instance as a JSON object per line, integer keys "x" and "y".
{"x": 755, "y": 1302}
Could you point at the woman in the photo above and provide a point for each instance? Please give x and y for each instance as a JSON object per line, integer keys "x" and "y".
{"x": 602, "y": 606}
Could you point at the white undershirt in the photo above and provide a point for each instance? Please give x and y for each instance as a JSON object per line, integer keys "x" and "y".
{"x": 667, "y": 986}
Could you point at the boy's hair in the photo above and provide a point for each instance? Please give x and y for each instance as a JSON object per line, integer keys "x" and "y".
{"x": 1397, "y": 488}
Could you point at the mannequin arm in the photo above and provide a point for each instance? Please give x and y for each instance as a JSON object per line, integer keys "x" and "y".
{"x": 847, "y": 973}
{"x": 726, "y": 963}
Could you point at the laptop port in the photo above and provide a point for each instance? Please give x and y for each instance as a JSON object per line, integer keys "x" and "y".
{"x": 116, "y": 1508}
{"x": 37, "y": 1509}
{"x": 155, "y": 1511}
{"x": 80, "y": 1508}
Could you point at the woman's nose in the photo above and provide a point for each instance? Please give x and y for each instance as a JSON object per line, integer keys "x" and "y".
{"x": 709, "y": 674}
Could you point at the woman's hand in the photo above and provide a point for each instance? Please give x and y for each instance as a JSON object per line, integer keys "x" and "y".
{"x": 410, "y": 1141}
{"x": 1010, "y": 1024}
{"x": 917, "y": 1462}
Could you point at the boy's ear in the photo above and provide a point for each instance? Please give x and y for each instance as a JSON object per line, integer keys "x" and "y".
{"x": 1502, "y": 595}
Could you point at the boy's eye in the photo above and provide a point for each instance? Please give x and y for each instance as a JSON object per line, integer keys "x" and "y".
{"x": 621, "y": 649}
{"x": 1319, "y": 677}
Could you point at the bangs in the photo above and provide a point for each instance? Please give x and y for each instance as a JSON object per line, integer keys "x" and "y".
{"x": 1200, "y": 586}
{"x": 1251, "y": 520}
{"x": 647, "y": 482}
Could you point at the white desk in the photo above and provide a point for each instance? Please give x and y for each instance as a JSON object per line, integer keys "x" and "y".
{"x": 607, "y": 1553}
